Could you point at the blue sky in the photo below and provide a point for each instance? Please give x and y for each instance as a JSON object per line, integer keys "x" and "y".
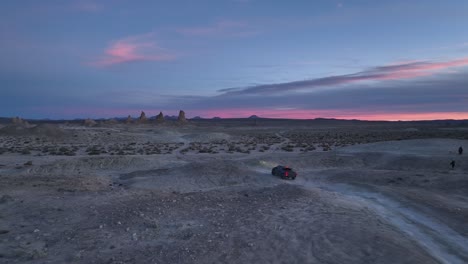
{"x": 392, "y": 60}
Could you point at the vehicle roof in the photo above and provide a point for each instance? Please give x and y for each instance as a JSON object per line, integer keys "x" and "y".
{"x": 284, "y": 167}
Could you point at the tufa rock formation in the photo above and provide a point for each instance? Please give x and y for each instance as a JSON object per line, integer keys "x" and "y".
{"x": 89, "y": 122}
{"x": 181, "y": 117}
{"x": 160, "y": 118}
{"x": 111, "y": 121}
{"x": 19, "y": 121}
{"x": 142, "y": 118}
{"x": 129, "y": 120}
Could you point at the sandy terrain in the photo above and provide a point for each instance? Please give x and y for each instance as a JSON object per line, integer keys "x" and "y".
{"x": 205, "y": 194}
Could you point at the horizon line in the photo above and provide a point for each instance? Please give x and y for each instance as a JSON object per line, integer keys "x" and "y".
{"x": 252, "y": 117}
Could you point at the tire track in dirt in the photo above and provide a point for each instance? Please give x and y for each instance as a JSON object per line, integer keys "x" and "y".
{"x": 437, "y": 239}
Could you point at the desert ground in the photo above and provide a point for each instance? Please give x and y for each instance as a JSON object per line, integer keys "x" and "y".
{"x": 202, "y": 192}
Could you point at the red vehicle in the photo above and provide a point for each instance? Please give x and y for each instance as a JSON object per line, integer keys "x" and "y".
{"x": 284, "y": 172}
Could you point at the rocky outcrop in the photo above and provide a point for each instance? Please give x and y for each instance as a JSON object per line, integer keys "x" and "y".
{"x": 41, "y": 130}
{"x": 89, "y": 122}
{"x": 129, "y": 120}
{"x": 160, "y": 118}
{"x": 111, "y": 121}
{"x": 181, "y": 117}
{"x": 19, "y": 121}
{"x": 48, "y": 130}
{"x": 142, "y": 118}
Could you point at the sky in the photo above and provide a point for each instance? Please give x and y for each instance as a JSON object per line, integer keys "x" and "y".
{"x": 362, "y": 59}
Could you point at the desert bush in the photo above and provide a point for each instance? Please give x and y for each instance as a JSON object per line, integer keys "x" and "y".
{"x": 94, "y": 152}
{"x": 25, "y": 151}
{"x": 185, "y": 150}
{"x": 287, "y": 148}
{"x": 64, "y": 149}
{"x": 310, "y": 148}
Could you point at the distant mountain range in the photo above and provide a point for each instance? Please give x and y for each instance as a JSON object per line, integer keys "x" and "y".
{"x": 446, "y": 122}
{"x": 172, "y": 117}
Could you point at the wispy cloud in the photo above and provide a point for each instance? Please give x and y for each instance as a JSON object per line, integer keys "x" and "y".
{"x": 389, "y": 72}
{"x": 220, "y": 28}
{"x": 133, "y": 49}
{"x": 88, "y": 6}
{"x": 442, "y": 97}
{"x": 459, "y": 46}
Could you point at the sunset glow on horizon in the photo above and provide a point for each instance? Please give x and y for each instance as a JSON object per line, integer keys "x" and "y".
{"x": 385, "y": 60}
{"x": 261, "y": 113}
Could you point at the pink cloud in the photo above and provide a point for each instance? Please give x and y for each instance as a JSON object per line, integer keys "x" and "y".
{"x": 388, "y": 72}
{"x": 133, "y": 49}
{"x": 442, "y": 65}
{"x": 418, "y": 69}
{"x": 220, "y": 28}
{"x": 403, "y": 75}
{"x": 88, "y": 6}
